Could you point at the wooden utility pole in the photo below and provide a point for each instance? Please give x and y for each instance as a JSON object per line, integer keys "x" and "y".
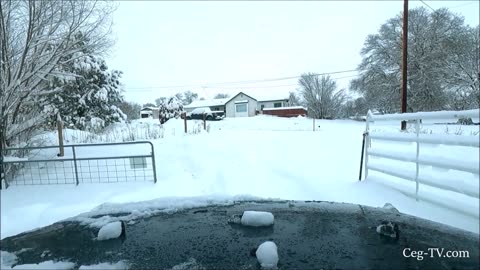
{"x": 403, "y": 91}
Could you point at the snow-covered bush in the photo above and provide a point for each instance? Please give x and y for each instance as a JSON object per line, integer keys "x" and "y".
{"x": 172, "y": 108}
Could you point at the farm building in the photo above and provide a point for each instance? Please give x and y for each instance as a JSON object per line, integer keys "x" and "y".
{"x": 286, "y": 111}
{"x": 149, "y": 112}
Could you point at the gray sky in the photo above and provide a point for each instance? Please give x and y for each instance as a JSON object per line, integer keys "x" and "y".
{"x": 194, "y": 44}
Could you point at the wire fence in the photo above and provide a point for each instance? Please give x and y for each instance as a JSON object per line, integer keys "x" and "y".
{"x": 81, "y": 163}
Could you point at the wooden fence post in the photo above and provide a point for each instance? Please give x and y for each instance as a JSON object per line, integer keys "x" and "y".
{"x": 204, "y": 121}
{"x": 60, "y": 135}
{"x": 185, "y": 121}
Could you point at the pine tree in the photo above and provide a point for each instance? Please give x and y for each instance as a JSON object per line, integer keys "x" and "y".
{"x": 86, "y": 94}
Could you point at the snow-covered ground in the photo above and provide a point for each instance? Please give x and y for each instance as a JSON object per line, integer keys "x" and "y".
{"x": 261, "y": 156}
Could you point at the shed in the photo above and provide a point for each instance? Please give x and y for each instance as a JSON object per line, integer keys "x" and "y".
{"x": 149, "y": 112}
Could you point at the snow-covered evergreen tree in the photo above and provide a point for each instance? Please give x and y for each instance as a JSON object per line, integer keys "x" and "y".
{"x": 87, "y": 94}
{"x": 171, "y": 108}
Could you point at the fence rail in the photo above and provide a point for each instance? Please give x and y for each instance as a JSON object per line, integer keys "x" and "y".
{"x": 445, "y": 163}
{"x": 81, "y": 163}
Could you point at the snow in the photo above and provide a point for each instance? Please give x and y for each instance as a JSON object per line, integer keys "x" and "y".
{"x": 136, "y": 210}
{"x": 105, "y": 266}
{"x": 51, "y": 265}
{"x": 110, "y": 231}
{"x": 207, "y": 103}
{"x": 102, "y": 95}
{"x": 430, "y": 115}
{"x": 390, "y": 207}
{"x": 13, "y": 159}
{"x": 264, "y": 96}
{"x": 249, "y": 158}
{"x": 257, "y": 218}
{"x": 7, "y": 259}
{"x": 267, "y": 255}
{"x": 387, "y": 229}
{"x": 431, "y": 160}
{"x": 427, "y": 138}
{"x": 149, "y": 109}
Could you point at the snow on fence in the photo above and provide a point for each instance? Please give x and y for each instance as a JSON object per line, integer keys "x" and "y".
{"x": 445, "y": 161}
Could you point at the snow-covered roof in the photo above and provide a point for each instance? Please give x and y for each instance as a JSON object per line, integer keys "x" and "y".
{"x": 149, "y": 109}
{"x": 258, "y": 95}
{"x": 207, "y": 103}
{"x": 262, "y": 96}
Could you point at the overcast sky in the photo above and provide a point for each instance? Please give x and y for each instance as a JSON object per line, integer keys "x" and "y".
{"x": 163, "y": 45}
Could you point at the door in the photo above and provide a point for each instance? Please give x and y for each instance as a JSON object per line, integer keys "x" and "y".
{"x": 241, "y": 109}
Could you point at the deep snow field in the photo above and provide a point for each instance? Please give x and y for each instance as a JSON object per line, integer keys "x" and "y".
{"x": 241, "y": 158}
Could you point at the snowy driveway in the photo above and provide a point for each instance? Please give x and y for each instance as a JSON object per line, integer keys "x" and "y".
{"x": 269, "y": 158}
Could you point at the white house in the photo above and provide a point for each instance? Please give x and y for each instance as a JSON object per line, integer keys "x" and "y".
{"x": 241, "y": 105}
{"x": 266, "y": 104}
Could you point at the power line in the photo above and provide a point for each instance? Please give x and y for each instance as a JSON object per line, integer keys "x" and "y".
{"x": 268, "y": 86}
{"x": 462, "y": 5}
{"x": 283, "y": 85}
{"x": 238, "y": 82}
{"x": 258, "y": 87}
{"x": 427, "y": 5}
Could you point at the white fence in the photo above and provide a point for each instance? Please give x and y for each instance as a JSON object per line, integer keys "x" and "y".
{"x": 445, "y": 161}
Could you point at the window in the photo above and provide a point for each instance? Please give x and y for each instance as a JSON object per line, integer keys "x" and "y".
{"x": 241, "y": 108}
{"x": 261, "y": 107}
{"x": 277, "y": 104}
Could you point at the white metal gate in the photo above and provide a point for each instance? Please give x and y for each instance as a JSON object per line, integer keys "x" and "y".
{"x": 446, "y": 161}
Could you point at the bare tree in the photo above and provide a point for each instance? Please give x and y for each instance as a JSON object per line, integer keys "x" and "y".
{"x": 149, "y": 104}
{"x": 294, "y": 99}
{"x": 159, "y": 101}
{"x": 221, "y": 95}
{"x": 131, "y": 109}
{"x": 189, "y": 97}
{"x": 321, "y": 96}
{"x": 34, "y": 38}
{"x": 355, "y": 107}
{"x": 443, "y": 65}
{"x": 462, "y": 69}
